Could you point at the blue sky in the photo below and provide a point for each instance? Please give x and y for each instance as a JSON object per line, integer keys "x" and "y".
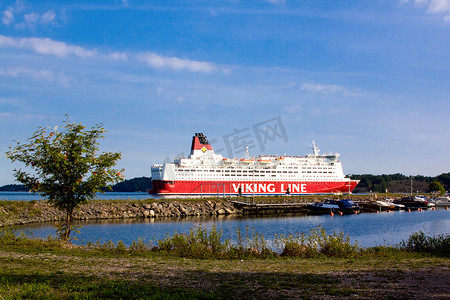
{"x": 367, "y": 79}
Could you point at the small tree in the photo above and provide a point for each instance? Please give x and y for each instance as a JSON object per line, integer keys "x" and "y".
{"x": 68, "y": 171}
{"x": 436, "y": 187}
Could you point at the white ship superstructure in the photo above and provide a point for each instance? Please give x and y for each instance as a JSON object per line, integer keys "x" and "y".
{"x": 205, "y": 172}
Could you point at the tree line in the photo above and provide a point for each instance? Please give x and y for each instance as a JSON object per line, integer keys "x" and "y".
{"x": 399, "y": 183}
{"x": 138, "y": 184}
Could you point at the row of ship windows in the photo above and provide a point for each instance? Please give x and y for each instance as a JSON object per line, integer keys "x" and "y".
{"x": 284, "y": 176}
{"x": 231, "y": 170}
{"x": 255, "y": 171}
{"x": 259, "y": 175}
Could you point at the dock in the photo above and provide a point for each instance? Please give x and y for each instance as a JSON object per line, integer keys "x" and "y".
{"x": 264, "y": 208}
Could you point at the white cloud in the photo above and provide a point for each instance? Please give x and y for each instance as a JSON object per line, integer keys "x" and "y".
{"x": 328, "y": 89}
{"x": 42, "y": 74}
{"x": 19, "y": 117}
{"x": 30, "y": 18}
{"x": 292, "y": 108}
{"x": 118, "y": 56}
{"x": 439, "y": 7}
{"x": 277, "y": 2}
{"x": 48, "y": 17}
{"x": 33, "y": 18}
{"x": 157, "y": 61}
{"x": 8, "y": 16}
{"x": 45, "y": 46}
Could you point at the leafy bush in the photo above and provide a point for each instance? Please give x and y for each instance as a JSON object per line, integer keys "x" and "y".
{"x": 316, "y": 244}
{"x": 199, "y": 243}
{"x": 139, "y": 247}
{"x": 436, "y": 245}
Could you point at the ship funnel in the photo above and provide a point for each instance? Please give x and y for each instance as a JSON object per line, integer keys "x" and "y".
{"x": 200, "y": 144}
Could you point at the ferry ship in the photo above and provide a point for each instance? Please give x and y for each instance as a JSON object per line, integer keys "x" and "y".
{"x": 204, "y": 172}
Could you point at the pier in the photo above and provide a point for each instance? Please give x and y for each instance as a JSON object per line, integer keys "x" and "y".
{"x": 249, "y": 207}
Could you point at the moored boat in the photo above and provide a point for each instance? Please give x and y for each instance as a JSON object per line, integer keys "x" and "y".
{"x": 412, "y": 202}
{"x": 376, "y": 206}
{"x": 345, "y": 206}
{"x": 443, "y": 201}
{"x": 396, "y": 205}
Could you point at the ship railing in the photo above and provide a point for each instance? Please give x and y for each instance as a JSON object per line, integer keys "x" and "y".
{"x": 205, "y": 190}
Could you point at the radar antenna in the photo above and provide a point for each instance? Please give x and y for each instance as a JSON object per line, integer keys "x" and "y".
{"x": 315, "y": 148}
{"x": 247, "y": 153}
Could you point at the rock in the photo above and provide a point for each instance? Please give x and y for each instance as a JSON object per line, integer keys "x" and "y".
{"x": 220, "y": 211}
{"x": 228, "y": 211}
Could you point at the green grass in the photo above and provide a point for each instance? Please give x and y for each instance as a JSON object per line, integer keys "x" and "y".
{"x": 62, "y": 286}
{"x": 199, "y": 265}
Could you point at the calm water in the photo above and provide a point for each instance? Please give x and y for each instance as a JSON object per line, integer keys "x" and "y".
{"x": 24, "y": 196}
{"x": 367, "y": 229}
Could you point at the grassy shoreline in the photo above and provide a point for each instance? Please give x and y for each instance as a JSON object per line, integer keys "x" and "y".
{"x": 49, "y": 269}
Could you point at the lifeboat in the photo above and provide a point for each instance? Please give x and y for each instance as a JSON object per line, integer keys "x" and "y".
{"x": 229, "y": 160}
{"x": 264, "y": 161}
{"x": 247, "y": 161}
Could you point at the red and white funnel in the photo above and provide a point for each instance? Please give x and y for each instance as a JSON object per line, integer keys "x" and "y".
{"x": 200, "y": 145}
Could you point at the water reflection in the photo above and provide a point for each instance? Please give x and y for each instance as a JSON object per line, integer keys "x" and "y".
{"x": 366, "y": 229}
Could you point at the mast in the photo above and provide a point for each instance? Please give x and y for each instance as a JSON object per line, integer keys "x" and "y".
{"x": 315, "y": 148}
{"x": 411, "y": 186}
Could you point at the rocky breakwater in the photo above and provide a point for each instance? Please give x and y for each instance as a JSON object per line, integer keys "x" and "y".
{"x": 20, "y": 212}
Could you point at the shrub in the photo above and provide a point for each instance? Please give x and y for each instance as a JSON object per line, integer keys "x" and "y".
{"x": 316, "y": 243}
{"x": 436, "y": 245}
{"x": 199, "y": 243}
{"x": 139, "y": 247}
{"x": 337, "y": 245}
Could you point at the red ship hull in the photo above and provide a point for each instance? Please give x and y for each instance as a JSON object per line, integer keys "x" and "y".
{"x": 251, "y": 188}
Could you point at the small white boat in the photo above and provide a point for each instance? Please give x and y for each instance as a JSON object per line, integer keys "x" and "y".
{"x": 443, "y": 201}
{"x": 385, "y": 205}
{"x": 397, "y": 205}
{"x": 420, "y": 198}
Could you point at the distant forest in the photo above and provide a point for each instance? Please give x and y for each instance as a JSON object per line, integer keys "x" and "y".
{"x": 394, "y": 183}
{"x": 398, "y": 183}
{"x": 138, "y": 184}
